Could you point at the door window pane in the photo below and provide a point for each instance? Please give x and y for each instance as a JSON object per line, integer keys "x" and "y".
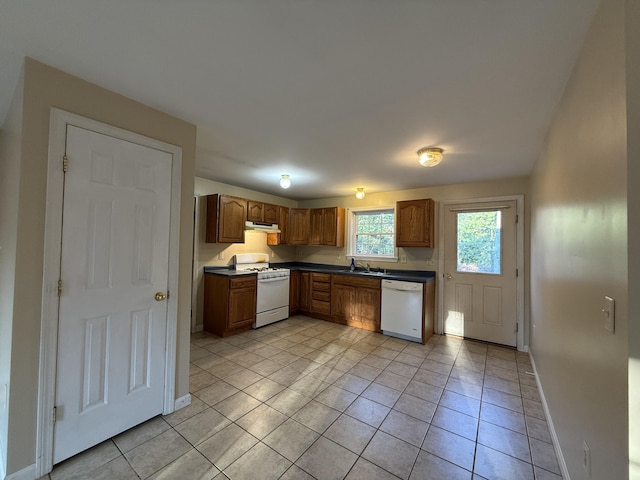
{"x": 478, "y": 242}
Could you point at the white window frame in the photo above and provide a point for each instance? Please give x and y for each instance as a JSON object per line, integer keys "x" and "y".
{"x": 351, "y": 238}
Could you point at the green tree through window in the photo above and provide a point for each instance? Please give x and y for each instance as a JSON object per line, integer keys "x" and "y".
{"x": 374, "y": 233}
{"x": 479, "y": 242}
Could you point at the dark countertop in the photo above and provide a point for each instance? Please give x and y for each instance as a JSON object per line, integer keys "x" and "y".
{"x": 421, "y": 276}
{"x": 227, "y": 271}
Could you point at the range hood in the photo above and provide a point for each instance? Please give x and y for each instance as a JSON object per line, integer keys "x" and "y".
{"x": 262, "y": 227}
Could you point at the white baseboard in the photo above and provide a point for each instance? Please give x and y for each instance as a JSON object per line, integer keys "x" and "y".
{"x": 182, "y": 402}
{"x": 554, "y": 437}
{"x": 27, "y": 473}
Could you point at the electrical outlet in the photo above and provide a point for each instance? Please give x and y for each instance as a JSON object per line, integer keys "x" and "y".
{"x": 403, "y": 259}
{"x": 220, "y": 256}
{"x": 586, "y": 458}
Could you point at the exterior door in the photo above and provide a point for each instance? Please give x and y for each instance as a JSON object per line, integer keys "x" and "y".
{"x": 114, "y": 259}
{"x": 480, "y": 270}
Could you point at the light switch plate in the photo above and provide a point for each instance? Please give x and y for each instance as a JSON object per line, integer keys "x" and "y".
{"x": 609, "y": 314}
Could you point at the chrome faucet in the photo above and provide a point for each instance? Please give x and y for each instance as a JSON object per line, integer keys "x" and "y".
{"x": 359, "y": 264}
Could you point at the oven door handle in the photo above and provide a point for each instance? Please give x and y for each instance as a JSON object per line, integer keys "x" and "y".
{"x": 273, "y": 279}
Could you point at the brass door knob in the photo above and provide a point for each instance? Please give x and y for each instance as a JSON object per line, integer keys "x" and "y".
{"x": 161, "y": 296}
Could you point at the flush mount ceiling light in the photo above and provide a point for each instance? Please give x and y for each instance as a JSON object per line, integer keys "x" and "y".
{"x": 430, "y": 157}
{"x": 360, "y": 193}
{"x": 284, "y": 181}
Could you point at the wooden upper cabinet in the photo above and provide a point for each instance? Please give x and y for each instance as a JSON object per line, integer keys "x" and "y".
{"x": 255, "y": 211}
{"x": 333, "y": 226}
{"x": 316, "y": 235}
{"x": 299, "y": 221}
{"x": 262, "y": 212}
{"x": 414, "y": 223}
{"x": 284, "y": 225}
{"x": 226, "y": 216}
{"x": 327, "y": 226}
{"x": 271, "y": 213}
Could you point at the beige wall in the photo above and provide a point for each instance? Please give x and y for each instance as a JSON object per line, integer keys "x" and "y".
{"x": 207, "y": 254}
{"x": 579, "y": 255}
{"x": 633, "y": 186}
{"x": 10, "y": 148}
{"x": 45, "y": 87}
{"x": 417, "y": 258}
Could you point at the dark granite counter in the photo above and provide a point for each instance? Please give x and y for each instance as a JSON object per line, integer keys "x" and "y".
{"x": 226, "y": 271}
{"x": 422, "y": 276}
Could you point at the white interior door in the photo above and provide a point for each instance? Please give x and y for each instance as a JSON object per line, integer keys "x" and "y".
{"x": 115, "y": 258}
{"x": 480, "y": 271}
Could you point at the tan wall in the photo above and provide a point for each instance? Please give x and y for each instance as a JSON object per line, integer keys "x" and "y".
{"x": 579, "y": 255}
{"x": 255, "y": 242}
{"x": 10, "y": 149}
{"x": 417, "y": 258}
{"x": 45, "y": 87}
{"x": 633, "y": 186}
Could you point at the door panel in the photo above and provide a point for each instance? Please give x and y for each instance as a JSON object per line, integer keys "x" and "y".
{"x": 115, "y": 250}
{"x": 480, "y": 290}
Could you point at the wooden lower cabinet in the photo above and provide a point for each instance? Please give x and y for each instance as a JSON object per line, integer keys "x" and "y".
{"x": 294, "y": 292}
{"x": 305, "y": 292}
{"x": 343, "y": 298}
{"x": 229, "y": 304}
{"x": 320, "y": 293}
{"x": 356, "y": 301}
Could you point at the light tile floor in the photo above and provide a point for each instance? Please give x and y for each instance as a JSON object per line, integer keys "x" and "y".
{"x": 304, "y": 399}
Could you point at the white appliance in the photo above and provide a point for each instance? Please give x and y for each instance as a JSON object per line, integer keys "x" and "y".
{"x": 273, "y": 287}
{"x": 262, "y": 227}
{"x": 401, "y": 309}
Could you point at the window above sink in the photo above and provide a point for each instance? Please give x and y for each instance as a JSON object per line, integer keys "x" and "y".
{"x": 372, "y": 234}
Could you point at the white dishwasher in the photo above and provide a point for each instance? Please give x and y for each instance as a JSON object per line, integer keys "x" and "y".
{"x": 401, "y": 310}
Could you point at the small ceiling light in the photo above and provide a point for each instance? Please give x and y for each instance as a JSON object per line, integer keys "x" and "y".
{"x": 430, "y": 157}
{"x": 284, "y": 181}
{"x": 360, "y": 193}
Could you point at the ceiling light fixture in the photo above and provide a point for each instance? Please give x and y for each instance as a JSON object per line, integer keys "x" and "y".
{"x": 430, "y": 157}
{"x": 360, "y": 193}
{"x": 285, "y": 182}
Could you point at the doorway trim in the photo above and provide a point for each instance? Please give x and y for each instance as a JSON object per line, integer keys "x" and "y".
{"x": 519, "y": 199}
{"x": 59, "y": 120}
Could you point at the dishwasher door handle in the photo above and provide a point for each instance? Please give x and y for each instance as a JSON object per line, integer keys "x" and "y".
{"x": 401, "y": 289}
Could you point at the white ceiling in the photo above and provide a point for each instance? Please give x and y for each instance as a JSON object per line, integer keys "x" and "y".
{"x": 337, "y": 93}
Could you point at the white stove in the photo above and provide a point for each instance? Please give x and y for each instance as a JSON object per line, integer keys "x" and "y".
{"x": 273, "y": 287}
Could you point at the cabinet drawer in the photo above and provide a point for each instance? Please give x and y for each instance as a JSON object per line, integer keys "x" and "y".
{"x": 321, "y": 306}
{"x": 356, "y": 281}
{"x": 243, "y": 282}
{"x": 321, "y": 277}
{"x": 321, "y": 287}
{"x": 324, "y": 296}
